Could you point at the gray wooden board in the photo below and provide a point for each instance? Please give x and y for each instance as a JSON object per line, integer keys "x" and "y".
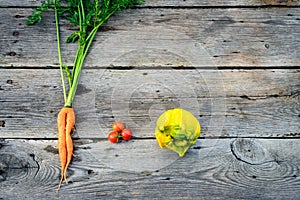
{"x": 233, "y": 37}
{"x": 255, "y": 103}
{"x": 249, "y": 145}
{"x": 213, "y": 169}
{"x": 175, "y": 3}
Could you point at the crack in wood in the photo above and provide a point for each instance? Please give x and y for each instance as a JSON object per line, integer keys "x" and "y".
{"x": 37, "y": 163}
{"x": 253, "y": 98}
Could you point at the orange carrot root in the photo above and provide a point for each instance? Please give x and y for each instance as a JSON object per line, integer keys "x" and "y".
{"x": 65, "y": 124}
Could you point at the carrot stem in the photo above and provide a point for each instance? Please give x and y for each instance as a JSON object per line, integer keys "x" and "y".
{"x": 59, "y": 51}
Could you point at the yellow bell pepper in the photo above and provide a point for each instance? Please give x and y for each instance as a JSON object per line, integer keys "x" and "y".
{"x": 178, "y": 130}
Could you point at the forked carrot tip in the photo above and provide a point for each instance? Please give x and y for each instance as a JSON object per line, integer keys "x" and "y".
{"x": 60, "y": 182}
{"x": 65, "y": 177}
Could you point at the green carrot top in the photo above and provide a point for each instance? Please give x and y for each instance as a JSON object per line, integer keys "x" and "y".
{"x": 88, "y": 16}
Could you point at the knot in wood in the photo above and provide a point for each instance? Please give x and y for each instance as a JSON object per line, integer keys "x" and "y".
{"x": 250, "y": 151}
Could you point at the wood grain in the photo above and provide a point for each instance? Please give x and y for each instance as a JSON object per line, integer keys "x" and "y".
{"x": 175, "y": 3}
{"x": 233, "y": 37}
{"x": 233, "y": 64}
{"x": 260, "y": 103}
{"x": 234, "y": 168}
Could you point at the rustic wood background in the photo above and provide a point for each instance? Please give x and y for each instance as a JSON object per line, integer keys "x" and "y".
{"x": 244, "y": 90}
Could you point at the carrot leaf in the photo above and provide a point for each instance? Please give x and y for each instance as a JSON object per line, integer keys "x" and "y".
{"x": 88, "y": 16}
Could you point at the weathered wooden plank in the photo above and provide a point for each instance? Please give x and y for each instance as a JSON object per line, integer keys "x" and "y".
{"x": 163, "y": 37}
{"x": 175, "y": 3}
{"x": 227, "y": 102}
{"x": 218, "y": 169}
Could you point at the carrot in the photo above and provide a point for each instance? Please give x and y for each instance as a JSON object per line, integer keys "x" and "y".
{"x": 88, "y": 16}
{"x": 65, "y": 124}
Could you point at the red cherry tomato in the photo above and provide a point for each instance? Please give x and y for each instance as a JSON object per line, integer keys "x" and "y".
{"x": 113, "y": 137}
{"x": 126, "y": 134}
{"x": 118, "y": 126}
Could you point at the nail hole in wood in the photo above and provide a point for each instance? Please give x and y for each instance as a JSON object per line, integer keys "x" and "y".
{"x": 12, "y": 53}
{"x": 90, "y": 171}
{"x": 267, "y": 46}
{"x": 18, "y": 16}
{"x": 2, "y": 123}
{"x": 16, "y": 33}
